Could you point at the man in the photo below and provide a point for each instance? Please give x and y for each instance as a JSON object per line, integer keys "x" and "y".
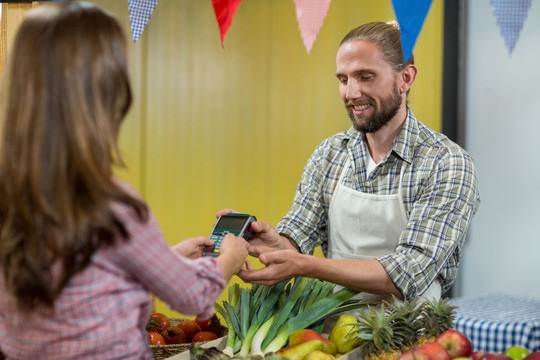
{"x": 389, "y": 200}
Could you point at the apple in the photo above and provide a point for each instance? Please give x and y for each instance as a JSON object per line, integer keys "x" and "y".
{"x": 517, "y": 352}
{"x": 533, "y": 356}
{"x": 478, "y": 354}
{"x": 414, "y": 354}
{"x": 435, "y": 351}
{"x": 456, "y": 343}
{"x": 495, "y": 356}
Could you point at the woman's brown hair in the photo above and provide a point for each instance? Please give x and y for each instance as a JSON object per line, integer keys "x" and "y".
{"x": 64, "y": 95}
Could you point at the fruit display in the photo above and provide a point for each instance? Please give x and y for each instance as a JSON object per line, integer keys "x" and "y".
{"x": 398, "y": 326}
{"x": 393, "y": 330}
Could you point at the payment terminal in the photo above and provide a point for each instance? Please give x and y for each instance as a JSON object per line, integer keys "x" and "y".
{"x": 238, "y": 224}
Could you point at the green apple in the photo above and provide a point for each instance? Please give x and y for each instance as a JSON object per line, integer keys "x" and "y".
{"x": 517, "y": 352}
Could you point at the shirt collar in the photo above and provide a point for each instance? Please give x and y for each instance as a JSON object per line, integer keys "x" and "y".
{"x": 403, "y": 143}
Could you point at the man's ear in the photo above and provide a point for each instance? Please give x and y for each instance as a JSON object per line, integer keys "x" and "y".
{"x": 408, "y": 75}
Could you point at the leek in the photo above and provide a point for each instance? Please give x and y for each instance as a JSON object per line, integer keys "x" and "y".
{"x": 317, "y": 311}
{"x": 267, "y": 298}
{"x": 232, "y": 339}
{"x": 256, "y": 343}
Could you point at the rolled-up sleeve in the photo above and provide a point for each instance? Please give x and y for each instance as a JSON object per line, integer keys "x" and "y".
{"x": 190, "y": 286}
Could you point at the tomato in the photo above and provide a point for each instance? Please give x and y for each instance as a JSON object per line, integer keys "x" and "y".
{"x": 157, "y": 322}
{"x": 204, "y": 336}
{"x": 155, "y": 339}
{"x": 190, "y": 328}
{"x": 212, "y": 325}
{"x": 173, "y": 335}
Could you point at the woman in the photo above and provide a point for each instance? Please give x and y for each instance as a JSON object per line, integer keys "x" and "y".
{"x": 79, "y": 251}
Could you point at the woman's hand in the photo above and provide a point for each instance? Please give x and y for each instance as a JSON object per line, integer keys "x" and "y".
{"x": 232, "y": 254}
{"x": 192, "y": 247}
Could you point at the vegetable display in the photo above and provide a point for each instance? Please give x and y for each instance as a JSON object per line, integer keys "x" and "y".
{"x": 261, "y": 318}
{"x": 162, "y": 332}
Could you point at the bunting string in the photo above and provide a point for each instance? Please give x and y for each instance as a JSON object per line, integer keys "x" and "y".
{"x": 311, "y": 14}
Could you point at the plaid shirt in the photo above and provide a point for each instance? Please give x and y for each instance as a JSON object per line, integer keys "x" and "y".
{"x": 439, "y": 192}
{"x": 103, "y": 311}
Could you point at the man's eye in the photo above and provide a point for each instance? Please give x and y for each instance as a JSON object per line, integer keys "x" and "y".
{"x": 342, "y": 81}
{"x": 367, "y": 77}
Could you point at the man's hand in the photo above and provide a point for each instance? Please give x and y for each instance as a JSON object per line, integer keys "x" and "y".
{"x": 265, "y": 239}
{"x": 280, "y": 265}
{"x": 192, "y": 247}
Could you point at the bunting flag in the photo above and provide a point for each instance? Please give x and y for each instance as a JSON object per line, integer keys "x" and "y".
{"x": 410, "y": 15}
{"x": 225, "y": 10}
{"x": 139, "y": 14}
{"x": 310, "y": 15}
{"x": 510, "y": 15}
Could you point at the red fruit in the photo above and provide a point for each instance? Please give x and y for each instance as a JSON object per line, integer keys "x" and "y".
{"x": 435, "y": 351}
{"x": 173, "y": 335}
{"x": 157, "y": 322}
{"x": 204, "y": 336}
{"x": 303, "y": 335}
{"x": 456, "y": 343}
{"x": 533, "y": 356}
{"x": 213, "y": 324}
{"x": 477, "y": 355}
{"x": 190, "y": 328}
{"x": 495, "y": 356}
{"x": 155, "y": 339}
{"x": 414, "y": 354}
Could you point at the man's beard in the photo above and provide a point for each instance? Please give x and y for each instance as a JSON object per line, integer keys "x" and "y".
{"x": 389, "y": 108}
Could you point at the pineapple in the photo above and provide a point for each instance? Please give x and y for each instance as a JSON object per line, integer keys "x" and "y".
{"x": 388, "y": 332}
{"x": 437, "y": 316}
{"x": 382, "y": 333}
{"x": 409, "y": 319}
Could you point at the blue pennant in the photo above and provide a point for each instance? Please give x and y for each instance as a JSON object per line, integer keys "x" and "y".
{"x": 139, "y": 14}
{"x": 510, "y": 15}
{"x": 410, "y": 15}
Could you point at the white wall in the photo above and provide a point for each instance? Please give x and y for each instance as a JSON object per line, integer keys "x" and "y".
{"x": 502, "y": 115}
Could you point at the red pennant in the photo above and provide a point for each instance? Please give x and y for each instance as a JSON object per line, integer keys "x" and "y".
{"x": 225, "y": 10}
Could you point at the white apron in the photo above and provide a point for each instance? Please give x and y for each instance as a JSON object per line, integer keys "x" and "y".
{"x": 365, "y": 226}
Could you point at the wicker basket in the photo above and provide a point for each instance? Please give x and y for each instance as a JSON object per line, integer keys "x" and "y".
{"x": 164, "y": 351}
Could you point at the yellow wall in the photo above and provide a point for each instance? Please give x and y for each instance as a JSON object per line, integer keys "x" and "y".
{"x": 213, "y": 128}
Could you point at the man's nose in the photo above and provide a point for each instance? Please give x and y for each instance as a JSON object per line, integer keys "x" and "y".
{"x": 354, "y": 90}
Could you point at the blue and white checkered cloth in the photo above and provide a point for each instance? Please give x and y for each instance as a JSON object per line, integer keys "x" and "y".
{"x": 496, "y": 322}
{"x": 510, "y": 15}
{"x": 139, "y": 14}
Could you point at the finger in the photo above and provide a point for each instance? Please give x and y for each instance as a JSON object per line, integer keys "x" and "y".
{"x": 271, "y": 257}
{"x": 203, "y": 241}
{"x": 249, "y": 267}
{"x": 260, "y": 226}
{"x": 225, "y": 212}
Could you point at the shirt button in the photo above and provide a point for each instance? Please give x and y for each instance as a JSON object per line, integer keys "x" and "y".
{"x": 368, "y": 184}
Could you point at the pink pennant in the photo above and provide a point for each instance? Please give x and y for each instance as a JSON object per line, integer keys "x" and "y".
{"x": 225, "y": 10}
{"x": 310, "y": 15}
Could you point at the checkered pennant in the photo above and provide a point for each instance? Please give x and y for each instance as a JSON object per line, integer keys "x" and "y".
{"x": 139, "y": 14}
{"x": 510, "y": 15}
